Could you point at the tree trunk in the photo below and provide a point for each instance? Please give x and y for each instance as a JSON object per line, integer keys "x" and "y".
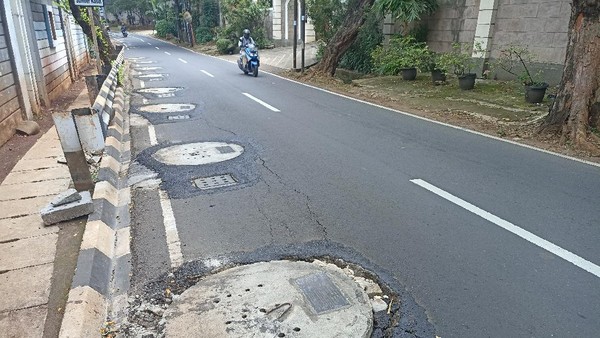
{"x": 344, "y": 37}
{"x": 105, "y": 49}
{"x": 577, "y": 104}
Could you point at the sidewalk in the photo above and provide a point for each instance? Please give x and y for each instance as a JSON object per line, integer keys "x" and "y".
{"x": 29, "y": 260}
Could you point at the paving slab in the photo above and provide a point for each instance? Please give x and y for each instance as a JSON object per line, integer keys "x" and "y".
{"x": 26, "y": 207}
{"x": 24, "y": 227}
{"x": 23, "y": 323}
{"x": 33, "y": 189}
{"x": 41, "y": 150}
{"x": 39, "y": 175}
{"x": 25, "y": 288}
{"x": 39, "y": 163}
{"x": 28, "y": 252}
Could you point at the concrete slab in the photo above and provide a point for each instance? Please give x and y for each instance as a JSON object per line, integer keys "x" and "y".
{"x": 37, "y": 175}
{"x": 35, "y": 189}
{"x": 273, "y": 299}
{"x": 23, "y": 323}
{"x": 66, "y": 197}
{"x": 25, "y": 288}
{"x": 24, "y": 227}
{"x": 28, "y": 252}
{"x": 26, "y": 207}
{"x": 52, "y": 215}
{"x": 38, "y": 152}
{"x": 39, "y": 163}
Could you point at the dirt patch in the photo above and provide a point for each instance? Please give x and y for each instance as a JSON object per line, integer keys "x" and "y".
{"x": 494, "y": 107}
{"x": 15, "y": 148}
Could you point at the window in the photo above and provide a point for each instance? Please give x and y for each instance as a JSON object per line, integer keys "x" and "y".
{"x": 50, "y": 26}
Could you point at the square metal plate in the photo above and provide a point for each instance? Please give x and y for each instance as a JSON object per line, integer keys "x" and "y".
{"x": 322, "y": 294}
{"x": 213, "y": 182}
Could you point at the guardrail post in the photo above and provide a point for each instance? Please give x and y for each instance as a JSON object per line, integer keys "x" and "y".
{"x": 69, "y": 140}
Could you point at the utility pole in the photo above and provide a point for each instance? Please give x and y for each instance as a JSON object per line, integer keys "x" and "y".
{"x": 303, "y": 30}
{"x": 295, "y": 48}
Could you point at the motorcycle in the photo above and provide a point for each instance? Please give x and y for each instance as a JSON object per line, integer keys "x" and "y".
{"x": 249, "y": 60}
{"x": 124, "y": 32}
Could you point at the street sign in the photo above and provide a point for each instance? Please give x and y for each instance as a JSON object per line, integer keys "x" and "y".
{"x": 90, "y": 3}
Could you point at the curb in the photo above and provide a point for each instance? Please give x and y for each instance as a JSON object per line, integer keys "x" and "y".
{"x": 102, "y": 272}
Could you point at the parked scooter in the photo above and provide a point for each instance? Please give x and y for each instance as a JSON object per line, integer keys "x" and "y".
{"x": 249, "y": 60}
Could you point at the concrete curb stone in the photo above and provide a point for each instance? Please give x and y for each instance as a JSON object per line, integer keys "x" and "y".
{"x": 104, "y": 249}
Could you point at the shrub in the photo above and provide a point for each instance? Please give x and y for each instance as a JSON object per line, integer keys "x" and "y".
{"x": 204, "y": 34}
{"x": 164, "y": 27}
{"x": 242, "y": 14}
{"x": 225, "y": 46}
{"x": 358, "y": 56}
{"x": 402, "y": 52}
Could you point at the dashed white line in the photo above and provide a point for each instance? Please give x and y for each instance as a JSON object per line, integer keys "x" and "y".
{"x": 526, "y": 235}
{"x": 157, "y": 48}
{"x": 207, "y": 73}
{"x": 173, "y": 242}
{"x": 262, "y": 102}
{"x": 167, "y": 53}
{"x": 152, "y": 135}
{"x": 182, "y": 60}
{"x": 149, "y": 44}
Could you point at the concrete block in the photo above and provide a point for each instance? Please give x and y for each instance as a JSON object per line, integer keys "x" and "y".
{"x": 28, "y": 128}
{"x": 24, "y": 323}
{"x": 84, "y": 315}
{"x": 16, "y": 294}
{"x": 52, "y": 215}
{"x": 99, "y": 236}
{"x": 66, "y": 197}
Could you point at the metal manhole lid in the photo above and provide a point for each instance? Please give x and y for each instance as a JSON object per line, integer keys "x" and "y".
{"x": 167, "y": 108}
{"x": 198, "y": 153}
{"x": 214, "y": 182}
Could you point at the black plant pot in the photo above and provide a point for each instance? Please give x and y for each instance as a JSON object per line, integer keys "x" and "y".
{"x": 408, "y": 74}
{"x": 467, "y": 81}
{"x": 438, "y": 76}
{"x": 535, "y": 93}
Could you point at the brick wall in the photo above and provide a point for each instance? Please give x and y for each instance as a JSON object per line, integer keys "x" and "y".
{"x": 454, "y": 21}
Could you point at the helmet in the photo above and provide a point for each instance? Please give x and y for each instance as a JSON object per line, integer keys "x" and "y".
{"x": 246, "y": 33}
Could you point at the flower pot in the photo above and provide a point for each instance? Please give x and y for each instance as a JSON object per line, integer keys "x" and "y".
{"x": 535, "y": 93}
{"x": 408, "y": 73}
{"x": 438, "y": 76}
{"x": 467, "y": 81}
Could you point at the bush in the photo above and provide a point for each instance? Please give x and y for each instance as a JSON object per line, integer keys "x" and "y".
{"x": 164, "y": 27}
{"x": 225, "y": 46}
{"x": 358, "y": 56}
{"x": 242, "y": 14}
{"x": 204, "y": 35}
{"x": 402, "y": 52}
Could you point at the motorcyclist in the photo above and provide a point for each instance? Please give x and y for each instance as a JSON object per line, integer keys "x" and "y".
{"x": 123, "y": 29}
{"x": 245, "y": 40}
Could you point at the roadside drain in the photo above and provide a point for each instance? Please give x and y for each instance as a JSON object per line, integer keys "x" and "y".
{"x": 167, "y": 108}
{"x": 198, "y": 153}
{"x": 214, "y": 182}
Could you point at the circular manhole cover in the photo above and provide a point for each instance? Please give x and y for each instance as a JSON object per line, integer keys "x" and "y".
{"x": 167, "y": 108}
{"x": 198, "y": 153}
{"x": 273, "y": 299}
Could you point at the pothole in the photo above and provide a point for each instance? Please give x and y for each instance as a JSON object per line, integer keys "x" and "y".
{"x": 167, "y": 108}
{"x": 198, "y": 153}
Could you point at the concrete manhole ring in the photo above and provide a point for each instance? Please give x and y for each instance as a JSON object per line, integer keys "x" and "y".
{"x": 167, "y": 108}
{"x": 273, "y": 299}
{"x": 198, "y": 153}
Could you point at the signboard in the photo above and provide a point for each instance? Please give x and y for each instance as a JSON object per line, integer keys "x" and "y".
{"x": 90, "y": 3}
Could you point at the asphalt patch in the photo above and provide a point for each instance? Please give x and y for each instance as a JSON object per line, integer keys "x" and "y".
{"x": 178, "y": 180}
{"x": 405, "y": 317}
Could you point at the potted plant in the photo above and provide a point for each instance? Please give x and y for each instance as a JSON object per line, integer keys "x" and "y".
{"x": 513, "y": 58}
{"x": 438, "y": 72}
{"x": 402, "y": 55}
{"x": 460, "y": 63}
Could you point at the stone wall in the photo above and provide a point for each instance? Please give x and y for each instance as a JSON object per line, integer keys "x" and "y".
{"x": 454, "y": 21}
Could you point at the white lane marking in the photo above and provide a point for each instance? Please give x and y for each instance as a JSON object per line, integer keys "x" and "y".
{"x": 142, "y": 84}
{"x": 142, "y": 40}
{"x": 207, "y": 73}
{"x": 173, "y": 242}
{"x": 145, "y": 101}
{"x": 152, "y": 135}
{"x": 167, "y": 53}
{"x": 526, "y": 235}
{"x": 182, "y": 60}
{"x": 149, "y": 44}
{"x": 157, "y": 48}
{"x": 262, "y": 102}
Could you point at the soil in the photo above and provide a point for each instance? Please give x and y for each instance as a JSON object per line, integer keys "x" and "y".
{"x": 15, "y": 148}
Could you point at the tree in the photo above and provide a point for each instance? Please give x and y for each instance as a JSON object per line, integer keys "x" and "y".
{"x": 356, "y": 13}
{"x": 105, "y": 46}
{"x": 577, "y": 106}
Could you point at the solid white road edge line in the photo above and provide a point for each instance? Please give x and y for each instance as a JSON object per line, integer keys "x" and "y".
{"x": 173, "y": 243}
{"x": 526, "y": 235}
{"x": 262, "y": 102}
{"x": 182, "y": 60}
{"x": 207, "y": 73}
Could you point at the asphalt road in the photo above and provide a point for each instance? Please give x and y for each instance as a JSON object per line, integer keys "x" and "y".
{"x": 318, "y": 166}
